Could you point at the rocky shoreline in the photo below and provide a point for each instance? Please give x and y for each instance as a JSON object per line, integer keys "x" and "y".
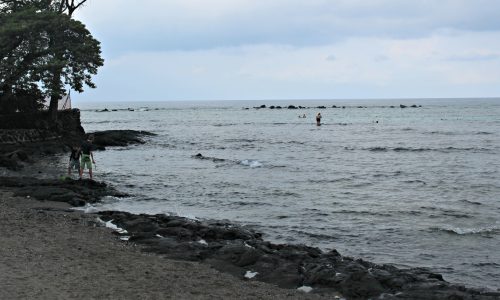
{"x": 73, "y": 192}
{"x": 224, "y": 246}
{"x": 50, "y": 251}
{"x": 243, "y": 253}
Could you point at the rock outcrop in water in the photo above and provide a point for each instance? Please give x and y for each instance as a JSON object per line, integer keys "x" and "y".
{"x": 243, "y": 253}
{"x": 103, "y": 139}
{"x": 214, "y": 159}
{"x": 333, "y": 106}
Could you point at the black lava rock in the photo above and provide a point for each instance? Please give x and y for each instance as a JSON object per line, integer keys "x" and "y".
{"x": 237, "y": 250}
{"x": 121, "y": 138}
{"x": 74, "y": 192}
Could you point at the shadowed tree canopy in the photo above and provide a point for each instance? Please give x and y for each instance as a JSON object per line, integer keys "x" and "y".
{"x": 42, "y": 49}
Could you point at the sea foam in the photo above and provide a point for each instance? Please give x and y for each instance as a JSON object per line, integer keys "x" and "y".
{"x": 251, "y": 163}
{"x": 469, "y": 231}
{"x": 109, "y": 224}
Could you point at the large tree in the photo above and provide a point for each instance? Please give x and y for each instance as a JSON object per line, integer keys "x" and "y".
{"x": 42, "y": 47}
{"x": 21, "y": 47}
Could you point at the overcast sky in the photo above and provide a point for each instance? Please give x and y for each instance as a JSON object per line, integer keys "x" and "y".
{"x": 159, "y": 50}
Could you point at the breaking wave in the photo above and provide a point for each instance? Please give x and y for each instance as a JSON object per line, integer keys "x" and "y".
{"x": 251, "y": 163}
{"x": 469, "y": 231}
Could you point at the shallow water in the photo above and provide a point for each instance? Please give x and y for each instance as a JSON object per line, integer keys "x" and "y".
{"x": 419, "y": 188}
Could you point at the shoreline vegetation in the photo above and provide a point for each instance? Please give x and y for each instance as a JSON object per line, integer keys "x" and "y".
{"x": 50, "y": 250}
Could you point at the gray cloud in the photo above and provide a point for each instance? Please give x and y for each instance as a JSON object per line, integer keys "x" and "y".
{"x": 133, "y": 25}
{"x": 276, "y": 49}
{"x": 474, "y": 57}
{"x": 381, "y": 58}
{"x": 331, "y": 57}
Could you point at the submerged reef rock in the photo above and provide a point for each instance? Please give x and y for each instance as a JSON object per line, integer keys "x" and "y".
{"x": 214, "y": 159}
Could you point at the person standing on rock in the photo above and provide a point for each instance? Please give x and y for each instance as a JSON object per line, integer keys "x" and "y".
{"x": 87, "y": 156}
{"x": 318, "y": 119}
{"x": 74, "y": 160}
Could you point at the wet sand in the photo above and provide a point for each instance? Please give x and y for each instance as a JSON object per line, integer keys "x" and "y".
{"x": 49, "y": 251}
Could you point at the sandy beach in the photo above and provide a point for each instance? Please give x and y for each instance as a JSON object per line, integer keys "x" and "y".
{"x": 50, "y": 251}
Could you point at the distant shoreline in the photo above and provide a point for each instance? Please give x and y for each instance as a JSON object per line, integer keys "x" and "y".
{"x": 292, "y": 101}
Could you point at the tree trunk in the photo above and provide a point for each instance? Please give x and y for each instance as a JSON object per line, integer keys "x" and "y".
{"x": 55, "y": 95}
{"x": 6, "y": 101}
{"x": 54, "y": 101}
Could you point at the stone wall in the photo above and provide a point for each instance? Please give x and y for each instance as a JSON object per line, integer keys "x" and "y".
{"x": 15, "y": 136}
{"x": 26, "y": 128}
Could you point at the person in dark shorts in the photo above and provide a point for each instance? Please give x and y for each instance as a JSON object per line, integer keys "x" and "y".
{"x": 74, "y": 160}
{"x": 87, "y": 156}
{"x": 318, "y": 119}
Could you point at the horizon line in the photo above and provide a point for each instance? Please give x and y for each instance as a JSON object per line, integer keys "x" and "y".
{"x": 300, "y": 99}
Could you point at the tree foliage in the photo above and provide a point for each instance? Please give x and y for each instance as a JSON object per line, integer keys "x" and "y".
{"x": 42, "y": 49}
{"x": 59, "y": 6}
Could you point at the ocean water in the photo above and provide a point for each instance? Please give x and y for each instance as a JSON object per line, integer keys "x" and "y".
{"x": 413, "y": 187}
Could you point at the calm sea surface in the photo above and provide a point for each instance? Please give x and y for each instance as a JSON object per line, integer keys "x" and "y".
{"x": 419, "y": 188}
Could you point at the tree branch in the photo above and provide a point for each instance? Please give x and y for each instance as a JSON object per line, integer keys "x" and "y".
{"x": 72, "y": 6}
{"x": 61, "y": 7}
{"x": 80, "y": 4}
